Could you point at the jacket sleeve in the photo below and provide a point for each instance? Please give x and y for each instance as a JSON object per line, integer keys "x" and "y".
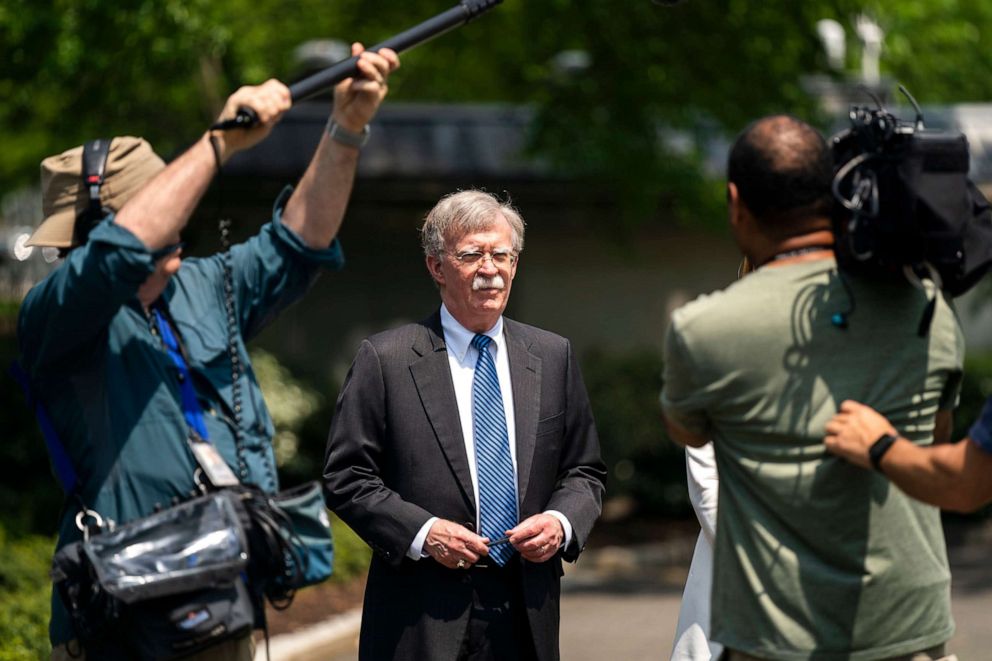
{"x": 581, "y": 480}
{"x": 272, "y": 270}
{"x": 353, "y": 481}
{"x": 75, "y": 304}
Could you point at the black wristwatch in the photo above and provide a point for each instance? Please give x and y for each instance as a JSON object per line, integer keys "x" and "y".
{"x": 879, "y": 448}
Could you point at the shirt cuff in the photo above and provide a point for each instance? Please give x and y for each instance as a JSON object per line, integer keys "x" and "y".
{"x": 416, "y": 550}
{"x": 981, "y": 432}
{"x": 331, "y": 257}
{"x": 565, "y": 525}
{"x": 132, "y": 261}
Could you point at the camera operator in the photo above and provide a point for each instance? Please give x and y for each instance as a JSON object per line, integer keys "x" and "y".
{"x": 804, "y": 560}
{"x": 99, "y": 334}
{"x": 952, "y": 476}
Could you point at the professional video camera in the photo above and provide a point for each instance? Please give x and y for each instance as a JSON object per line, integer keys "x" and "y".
{"x": 904, "y": 203}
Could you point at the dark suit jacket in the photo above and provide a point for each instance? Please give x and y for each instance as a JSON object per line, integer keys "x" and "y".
{"x": 396, "y": 456}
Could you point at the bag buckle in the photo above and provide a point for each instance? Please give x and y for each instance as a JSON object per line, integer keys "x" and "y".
{"x": 201, "y": 486}
{"x": 99, "y": 522}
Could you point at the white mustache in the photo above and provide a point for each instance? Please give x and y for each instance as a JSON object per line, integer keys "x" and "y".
{"x": 482, "y": 282}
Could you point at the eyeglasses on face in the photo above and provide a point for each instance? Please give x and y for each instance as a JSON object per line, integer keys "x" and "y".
{"x": 500, "y": 257}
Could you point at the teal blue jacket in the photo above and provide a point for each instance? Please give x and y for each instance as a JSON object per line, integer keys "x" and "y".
{"x": 110, "y": 388}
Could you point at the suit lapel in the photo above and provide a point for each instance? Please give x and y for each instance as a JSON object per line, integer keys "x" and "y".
{"x": 432, "y": 376}
{"x": 525, "y": 376}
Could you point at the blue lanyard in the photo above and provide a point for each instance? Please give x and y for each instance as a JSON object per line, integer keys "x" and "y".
{"x": 191, "y": 405}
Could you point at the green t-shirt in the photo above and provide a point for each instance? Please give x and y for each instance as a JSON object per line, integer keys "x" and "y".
{"x": 815, "y": 558}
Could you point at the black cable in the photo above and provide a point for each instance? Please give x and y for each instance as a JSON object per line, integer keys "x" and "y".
{"x": 841, "y": 318}
{"x": 224, "y": 229}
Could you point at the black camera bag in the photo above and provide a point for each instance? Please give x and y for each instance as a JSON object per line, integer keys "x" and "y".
{"x": 164, "y": 615}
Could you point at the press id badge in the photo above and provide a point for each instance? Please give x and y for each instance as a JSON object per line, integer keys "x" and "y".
{"x": 214, "y": 467}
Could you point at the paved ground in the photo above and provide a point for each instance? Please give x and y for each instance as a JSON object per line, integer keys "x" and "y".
{"x": 635, "y": 619}
{"x": 622, "y": 603}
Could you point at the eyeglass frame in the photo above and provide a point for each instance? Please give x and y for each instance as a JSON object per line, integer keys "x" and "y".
{"x": 483, "y": 255}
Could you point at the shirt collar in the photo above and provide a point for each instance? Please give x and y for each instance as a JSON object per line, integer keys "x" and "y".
{"x": 458, "y": 339}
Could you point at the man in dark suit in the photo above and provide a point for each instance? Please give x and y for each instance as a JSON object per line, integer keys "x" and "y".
{"x": 463, "y": 450}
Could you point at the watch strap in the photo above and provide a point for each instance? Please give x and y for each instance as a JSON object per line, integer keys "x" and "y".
{"x": 879, "y": 448}
{"x": 350, "y": 138}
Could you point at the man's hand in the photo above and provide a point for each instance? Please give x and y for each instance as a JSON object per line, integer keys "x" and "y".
{"x": 269, "y": 101}
{"x": 853, "y": 430}
{"x": 448, "y": 543}
{"x": 160, "y": 210}
{"x": 537, "y": 538}
{"x": 357, "y": 99}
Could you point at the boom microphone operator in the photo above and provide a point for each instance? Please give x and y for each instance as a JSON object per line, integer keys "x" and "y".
{"x": 448, "y": 20}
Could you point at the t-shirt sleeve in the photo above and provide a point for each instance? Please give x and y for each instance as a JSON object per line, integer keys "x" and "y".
{"x": 683, "y": 399}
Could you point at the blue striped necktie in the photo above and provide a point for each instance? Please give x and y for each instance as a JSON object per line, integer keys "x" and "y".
{"x": 497, "y": 495}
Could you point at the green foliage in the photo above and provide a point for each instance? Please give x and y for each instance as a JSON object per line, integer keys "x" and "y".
{"x": 643, "y": 463}
{"x": 8, "y": 312}
{"x": 291, "y": 403}
{"x": 351, "y": 554}
{"x": 30, "y": 496}
{"x": 301, "y": 417}
{"x": 77, "y": 69}
{"x": 935, "y": 48}
{"x": 24, "y": 593}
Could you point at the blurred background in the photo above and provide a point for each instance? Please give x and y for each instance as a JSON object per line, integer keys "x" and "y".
{"x": 607, "y": 123}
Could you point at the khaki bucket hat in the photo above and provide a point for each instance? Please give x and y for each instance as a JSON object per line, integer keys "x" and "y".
{"x": 130, "y": 164}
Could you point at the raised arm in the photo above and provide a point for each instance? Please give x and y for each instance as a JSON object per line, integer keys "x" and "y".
{"x": 160, "y": 210}
{"x": 317, "y": 207}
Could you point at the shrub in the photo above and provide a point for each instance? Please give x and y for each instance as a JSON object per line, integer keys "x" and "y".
{"x": 301, "y": 417}
{"x": 643, "y": 463}
{"x": 351, "y": 554}
{"x": 24, "y": 592}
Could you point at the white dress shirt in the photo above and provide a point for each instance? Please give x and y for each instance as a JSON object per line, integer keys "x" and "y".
{"x": 692, "y": 633}
{"x": 462, "y": 358}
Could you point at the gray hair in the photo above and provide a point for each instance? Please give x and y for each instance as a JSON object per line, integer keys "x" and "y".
{"x": 464, "y": 212}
